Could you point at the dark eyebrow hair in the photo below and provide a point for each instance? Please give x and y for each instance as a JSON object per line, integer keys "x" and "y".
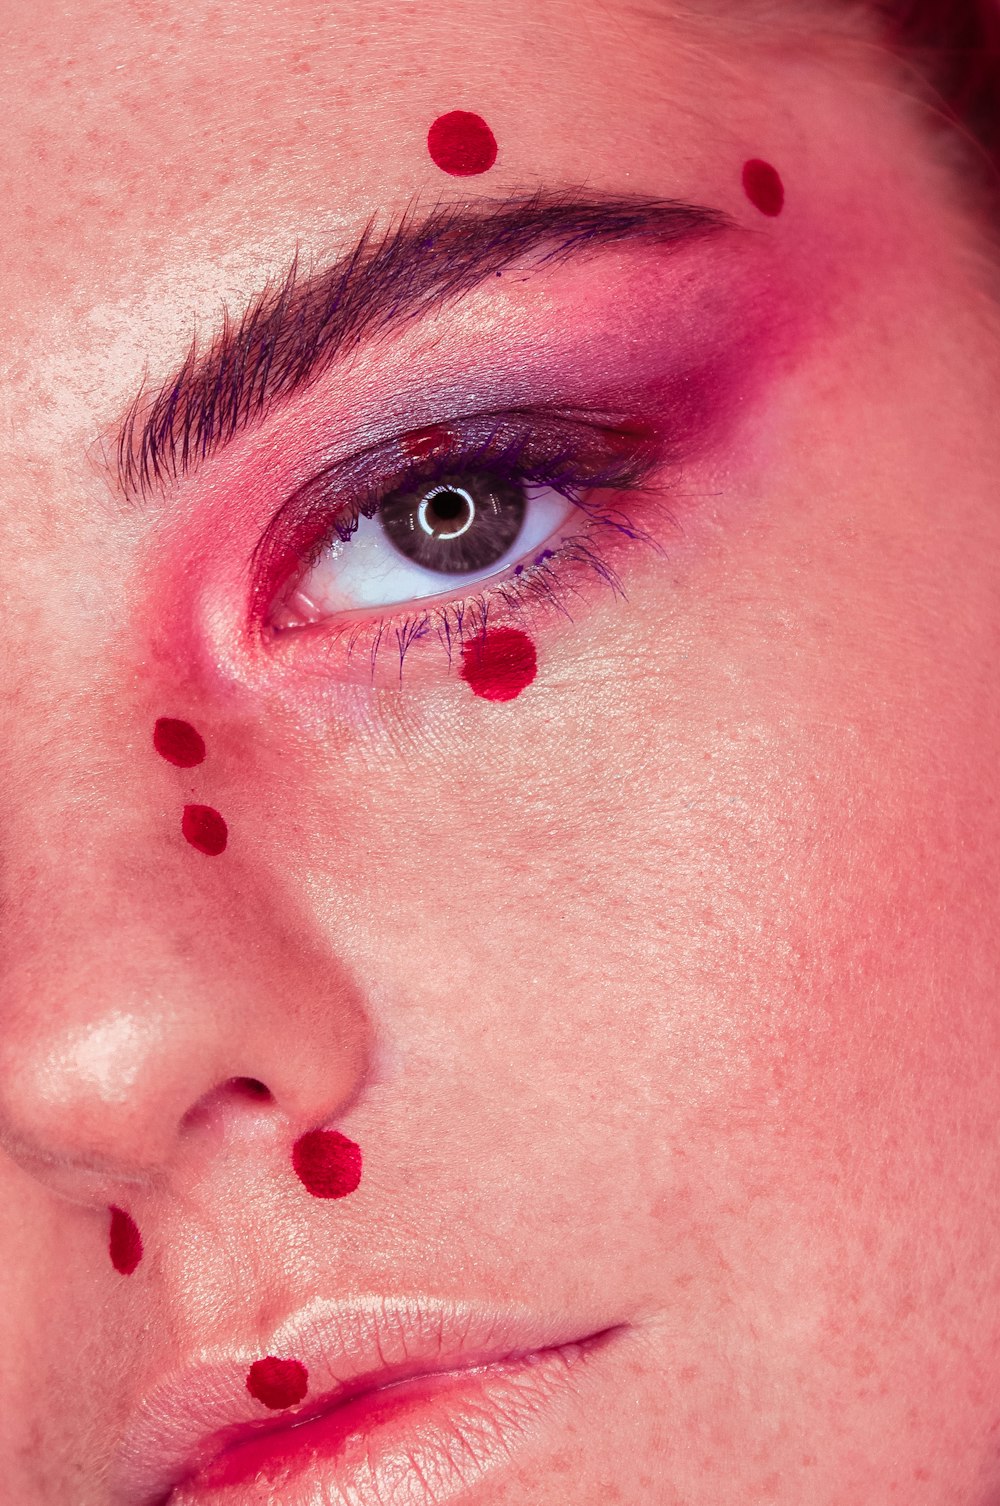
{"x": 295, "y": 328}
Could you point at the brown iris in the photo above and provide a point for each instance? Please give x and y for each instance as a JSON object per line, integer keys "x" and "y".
{"x": 457, "y": 524}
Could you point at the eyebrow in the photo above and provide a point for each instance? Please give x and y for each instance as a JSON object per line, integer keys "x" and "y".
{"x": 301, "y": 324}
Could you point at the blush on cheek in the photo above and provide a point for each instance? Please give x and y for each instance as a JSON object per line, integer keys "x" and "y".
{"x": 462, "y": 144}
{"x": 278, "y": 1383}
{"x": 499, "y": 665}
{"x": 327, "y": 1163}
{"x": 763, "y": 187}
{"x": 124, "y": 1242}
{"x": 178, "y": 742}
{"x": 205, "y": 829}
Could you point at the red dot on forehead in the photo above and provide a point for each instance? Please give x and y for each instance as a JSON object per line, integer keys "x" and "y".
{"x": 462, "y": 144}
{"x": 178, "y": 742}
{"x": 205, "y": 829}
{"x": 277, "y": 1383}
{"x": 764, "y": 187}
{"x": 327, "y": 1163}
{"x": 422, "y": 444}
{"x": 124, "y": 1242}
{"x": 500, "y": 665}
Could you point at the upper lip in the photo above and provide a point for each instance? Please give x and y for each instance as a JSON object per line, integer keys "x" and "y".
{"x": 348, "y": 1347}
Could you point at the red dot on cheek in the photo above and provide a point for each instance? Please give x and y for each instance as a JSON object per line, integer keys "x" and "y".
{"x": 327, "y": 1163}
{"x": 462, "y": 144}
{"x": 178, "y": 742}
{"x": 764, "y": 187}
{"x": 205, "y": 829}
{"x": 500, "y": 665}
{"x": 277, "y": 1383}
{"x": 124, "y": 1242}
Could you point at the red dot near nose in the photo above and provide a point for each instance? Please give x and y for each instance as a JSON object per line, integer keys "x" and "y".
{"x": 327, "y": 1163}
{"x": 462, "y": 144}
{"x": 500, "y": 665}
{"x": 764, "y": 187}
{"x": 205, "y": 829}
{"x": 178, "y": 742}
{"x": 124, "y": 1242}
{"x": 277, "y": 1383}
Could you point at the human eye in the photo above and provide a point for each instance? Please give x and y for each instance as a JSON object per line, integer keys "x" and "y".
{"x": 422, "y": 539}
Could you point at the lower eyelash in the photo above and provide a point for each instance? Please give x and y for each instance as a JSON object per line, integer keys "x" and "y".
{"x": 537, "y": 587}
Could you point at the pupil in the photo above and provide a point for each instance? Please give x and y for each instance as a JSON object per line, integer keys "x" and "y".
{"x": 448, "y": 506}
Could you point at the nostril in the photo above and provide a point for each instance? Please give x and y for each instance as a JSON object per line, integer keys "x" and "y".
{"x": 249, "y": 1087}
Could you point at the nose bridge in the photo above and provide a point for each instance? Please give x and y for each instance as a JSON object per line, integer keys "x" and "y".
{"x": 139, "y": 974}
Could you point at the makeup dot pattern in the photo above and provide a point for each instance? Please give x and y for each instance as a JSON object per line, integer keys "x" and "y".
{"x": 124, "y": 1241}
{"x": 462, "y": 144}
{"x": 500, "y": 664}
{"x": 764, "y": 188}
{"x": 278, "y": 1383}
{"x": 327, "y": 1163}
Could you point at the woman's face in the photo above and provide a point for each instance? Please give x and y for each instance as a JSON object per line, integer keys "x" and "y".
{"x": 661, "y": 995}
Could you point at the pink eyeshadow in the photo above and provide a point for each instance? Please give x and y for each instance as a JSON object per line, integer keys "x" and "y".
{"x": 462, "y": 144}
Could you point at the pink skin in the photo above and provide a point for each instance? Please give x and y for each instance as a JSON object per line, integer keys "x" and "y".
{"x": 662, "y": 999}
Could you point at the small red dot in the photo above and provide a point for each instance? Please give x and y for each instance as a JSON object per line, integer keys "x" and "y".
{"x": 425, "y": 444}
{"x": 764, "y": 187}
{"x": 500, "y": 665}
{"x": 205, "y": 829}
{"x": 124, "y": 1242}
{"x": 462, "y": 144}
{"x": 278, "y": 1383}
{"x": 327, "y": 1163}
{"x": 178, "y": 742}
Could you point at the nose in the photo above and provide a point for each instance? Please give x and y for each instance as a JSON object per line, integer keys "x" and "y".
{"x": 150, "y": 994}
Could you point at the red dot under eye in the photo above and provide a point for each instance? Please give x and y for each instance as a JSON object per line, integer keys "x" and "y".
{"x": 462, "y": 144}
{"x": 500, "y": 665}
{"x": 764, "y": 187}
{"x": 178, "y": 742}
{"x": 124, "y": 1242}
{"x": 327, "y": 1163}
{"x": 277, "y": 1383}
{"x": 205, "y": 829}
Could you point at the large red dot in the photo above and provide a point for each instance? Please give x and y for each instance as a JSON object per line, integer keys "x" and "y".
{"x": 124, "y": 1242}
{"x": 764, "y": 187}
{"x": 278, "y": 1383}
{"x": 500, "y": 665}
{"x": 205, "y": 829}
{"x": 178, "y": 742}
{"x": 462, "y": 144}
{"x": 327, "y": 1163}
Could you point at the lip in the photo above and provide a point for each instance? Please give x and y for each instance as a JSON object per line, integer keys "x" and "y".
{"x": 456, "y": 1388}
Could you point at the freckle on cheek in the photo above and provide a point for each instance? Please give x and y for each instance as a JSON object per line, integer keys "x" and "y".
{"x": 178, "y": 742}
{"x": 277, "y": 1383}
{"x": 462, "y": 144}
{"x": 500, "y": 665}
{"x": 764, "y": 188}
{"x": 124, "y": 1242}
{"x": 205, "y": 829}
{"x": 327, "y": 1163}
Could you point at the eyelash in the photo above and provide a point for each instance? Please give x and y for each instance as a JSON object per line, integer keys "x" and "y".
{"x": 576, "y": 454}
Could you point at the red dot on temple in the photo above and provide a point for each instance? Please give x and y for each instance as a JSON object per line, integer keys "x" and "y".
{"x": 205, "y": 829}
{"x": 278, "y": 1383}
{"x": 124, "y": 1242}
{"x": 462, "y": 144}
{"x": 500, "y": 665}
{"x": 764, "y": 187}
{"x": 178, "y": 742}
{"x": 327, "y": 1163}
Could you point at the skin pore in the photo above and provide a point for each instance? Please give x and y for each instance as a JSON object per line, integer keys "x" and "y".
{"x": 660, "y": 998}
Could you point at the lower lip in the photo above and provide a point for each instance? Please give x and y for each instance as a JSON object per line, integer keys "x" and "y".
{"x": 426, "y": 1441}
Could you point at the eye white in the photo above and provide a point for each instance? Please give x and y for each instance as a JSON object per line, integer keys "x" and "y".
{"x": 368, "y": 571}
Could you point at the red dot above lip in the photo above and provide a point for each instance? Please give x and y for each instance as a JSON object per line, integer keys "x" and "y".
{"x": 462, "y": 144}
{"x": 124, "y": 1241}
{"x": 277, "y": 1383}
{"x": 178, "y": 742}
{"x": 205, "y": 829}
{"x": 764, "y": 188}
{"x": 327, "y": 1163}
{"x": 500, "y": 665}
